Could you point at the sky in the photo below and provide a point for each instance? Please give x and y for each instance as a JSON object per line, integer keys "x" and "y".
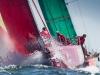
{"x": 85, "y": 15}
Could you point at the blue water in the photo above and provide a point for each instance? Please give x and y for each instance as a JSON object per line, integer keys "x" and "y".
{"x": 40, "y": 70}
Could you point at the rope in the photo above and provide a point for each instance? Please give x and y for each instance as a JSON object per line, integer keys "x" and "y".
{"x": 39, "y": 13}
{"x": 71, "y": 1}
{"x": 83, "y": 23}
{"x": 72, "y": 17}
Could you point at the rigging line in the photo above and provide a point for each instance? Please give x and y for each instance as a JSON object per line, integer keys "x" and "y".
{"x": 57, "y": 18}
{"x": 71, "y": 1}
{"x": 51, "y": 14}
{"x": 83, "y": 22}
{"x": 64, "y": 19}
{"x": 49, "y": 4}
{"x": 39, "y": 13}
{"x": 76, "y": 29}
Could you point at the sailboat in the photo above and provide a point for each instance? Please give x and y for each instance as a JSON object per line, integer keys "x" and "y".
{"x": 57, "y": 18}
{"x": 17, "y": 24}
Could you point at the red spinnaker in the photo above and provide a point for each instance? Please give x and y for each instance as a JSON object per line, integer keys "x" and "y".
{"x": 16, "y": 22}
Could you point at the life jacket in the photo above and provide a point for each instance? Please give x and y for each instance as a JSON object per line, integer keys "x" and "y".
{"x": 44, "y": 33}
{"x": 61, "y": 38}
{"x": 81, "y": 40}
{"x": 45, "y": 36}
{"x": 68, "y": 42}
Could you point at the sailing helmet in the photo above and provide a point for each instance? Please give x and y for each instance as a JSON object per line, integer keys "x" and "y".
{"x": 84, "y": 35}
{"x": 44, "y": 28}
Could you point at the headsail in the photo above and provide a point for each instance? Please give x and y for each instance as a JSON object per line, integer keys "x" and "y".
{"x": 57, "y": 17}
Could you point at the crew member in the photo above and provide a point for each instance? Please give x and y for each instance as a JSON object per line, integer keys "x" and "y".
{"x": 68, "y": 42}
{"x": 80, "y": 41}
{"x": 45, "y": 36}
{"x": 60, "y": 37}
{"x": 44, "y": 32}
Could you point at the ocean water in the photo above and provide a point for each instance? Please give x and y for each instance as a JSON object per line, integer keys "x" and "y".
{"x": 44, "y": 70}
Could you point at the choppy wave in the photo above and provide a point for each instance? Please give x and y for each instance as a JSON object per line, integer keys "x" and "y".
{"x": 90, "y": 69}
{"x": 41, "y": 70}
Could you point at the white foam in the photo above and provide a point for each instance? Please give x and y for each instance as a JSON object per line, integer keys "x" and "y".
{"x": 91, "y": 69}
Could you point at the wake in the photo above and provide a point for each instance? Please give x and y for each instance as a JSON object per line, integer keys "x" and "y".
{"x": 90, "y": 69}
{"x": 14, "y": 58}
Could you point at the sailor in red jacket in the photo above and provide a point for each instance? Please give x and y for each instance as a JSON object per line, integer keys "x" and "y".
{"x": 68, "y": 42}
{"x": 60, "y": 37}
{"x": 44, "y": 32}
{"x": 45, "y": 36}
{"x": 81, "y": 39}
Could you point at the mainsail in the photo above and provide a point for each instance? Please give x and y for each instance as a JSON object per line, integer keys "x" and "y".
{"x": 57, "y": 17}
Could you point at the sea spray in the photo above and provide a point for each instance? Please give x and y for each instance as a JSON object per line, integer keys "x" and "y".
{"x": 14, "y": 58}
{"x": 55, "y": 49}
{"x": 33, "y": 58}
{"x": 91, "y": 69}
